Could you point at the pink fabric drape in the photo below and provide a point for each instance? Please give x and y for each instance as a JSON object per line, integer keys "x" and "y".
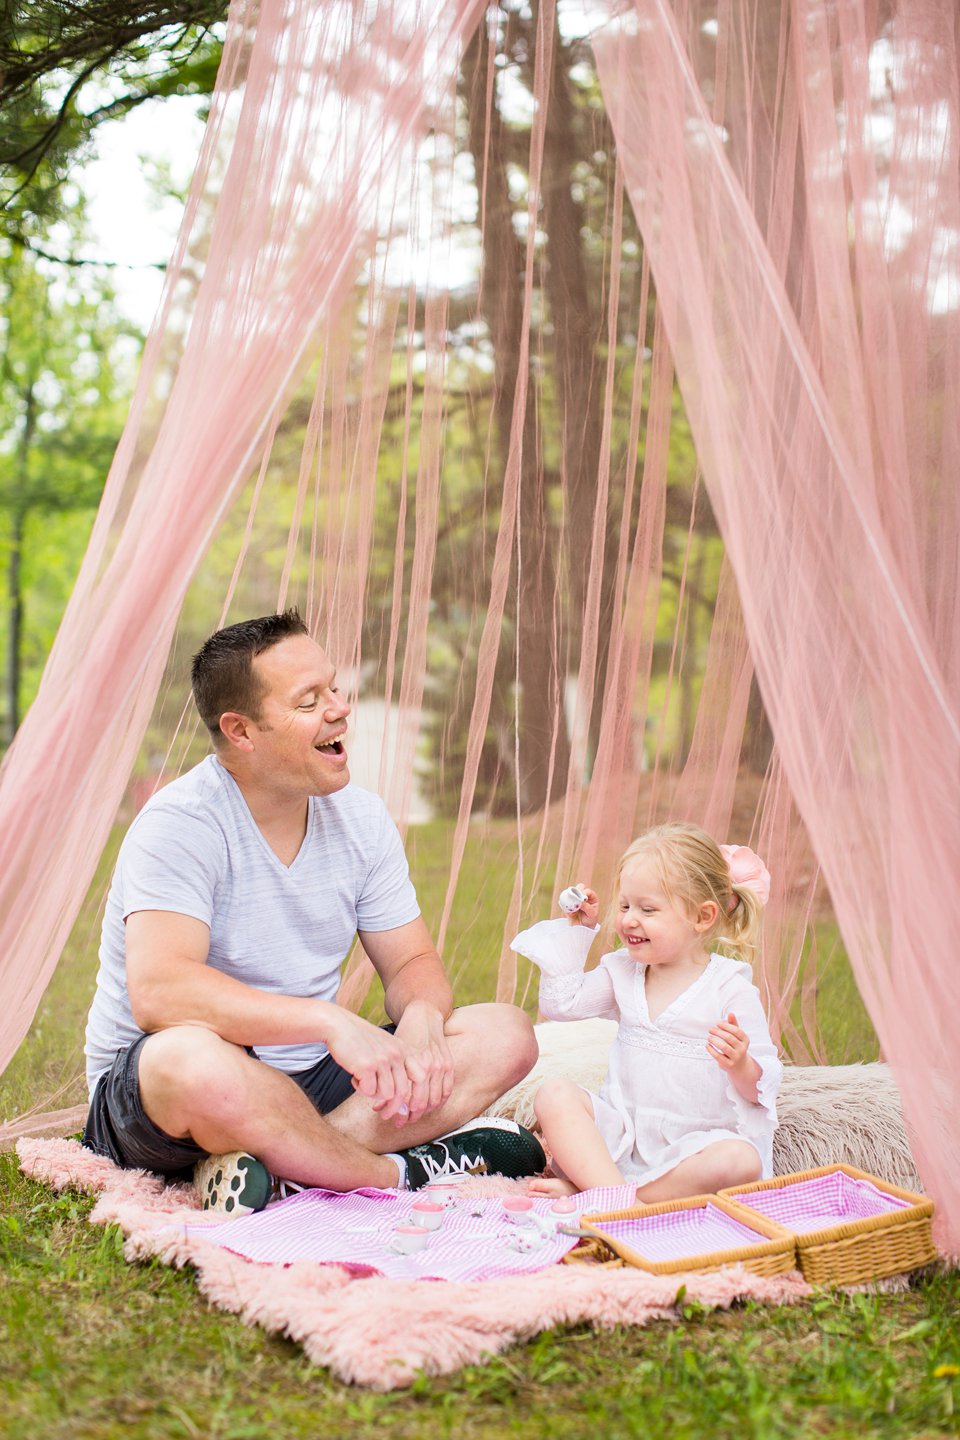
{"x": 793, "y": 169}
{"x": 313, "y": 108}
{"x": 816, "y": 336}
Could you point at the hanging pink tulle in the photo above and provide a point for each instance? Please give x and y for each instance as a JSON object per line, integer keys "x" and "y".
{"x": 804, "y": 235}
{"x": 482, "y": 492}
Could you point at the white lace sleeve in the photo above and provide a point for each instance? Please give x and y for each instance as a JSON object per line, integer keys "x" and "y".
{"x": 556, "y": 946}
{"x": 566, "y": 992}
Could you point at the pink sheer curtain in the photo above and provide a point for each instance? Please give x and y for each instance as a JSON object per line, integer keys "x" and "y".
{"x": 799, "y": 204}
{"x": 313, "y": 109}
{"x": 793, "y": 169}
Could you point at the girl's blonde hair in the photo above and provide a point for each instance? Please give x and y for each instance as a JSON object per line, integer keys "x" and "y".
{"x": 693, "y": 871}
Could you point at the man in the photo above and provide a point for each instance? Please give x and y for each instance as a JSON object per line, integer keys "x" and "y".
{"x": 237, "y": 895}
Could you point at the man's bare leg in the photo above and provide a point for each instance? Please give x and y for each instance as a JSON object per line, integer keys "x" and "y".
{"x": 195, "y": 1085}
{"x": 493, "y": 1047}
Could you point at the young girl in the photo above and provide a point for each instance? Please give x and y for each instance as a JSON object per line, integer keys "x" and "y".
{"x": 688, "y": 1102}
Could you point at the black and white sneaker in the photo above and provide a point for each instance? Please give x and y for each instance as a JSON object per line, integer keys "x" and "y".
{"x": 488, "y": 1146}
{"x": 232, "y": 1184}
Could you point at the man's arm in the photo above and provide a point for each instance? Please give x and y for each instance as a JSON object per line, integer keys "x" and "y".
{"x": 170, "y": 983}
{"x": 418, "y": 998}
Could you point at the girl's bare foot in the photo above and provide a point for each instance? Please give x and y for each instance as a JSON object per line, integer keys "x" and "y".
{"x": 553, "y": 1188}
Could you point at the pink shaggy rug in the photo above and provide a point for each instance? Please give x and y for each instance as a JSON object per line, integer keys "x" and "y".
{"x": 368, "y": 1329}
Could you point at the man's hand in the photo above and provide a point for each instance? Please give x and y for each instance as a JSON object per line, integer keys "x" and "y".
{"x": 375, "y": 1060}
{"x": 427, "y": 1058}
{"x": 418, "y": 999}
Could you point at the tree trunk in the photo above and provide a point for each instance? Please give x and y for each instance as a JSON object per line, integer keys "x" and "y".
{"x": 577, "y": 368}
{"x": 540, "y": 699}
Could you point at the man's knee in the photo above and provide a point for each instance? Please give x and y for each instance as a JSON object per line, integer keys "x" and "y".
{"x": 521, "y": 1041}
{"x": 506, "y": 1039}
{"x": 187, "y": 1061}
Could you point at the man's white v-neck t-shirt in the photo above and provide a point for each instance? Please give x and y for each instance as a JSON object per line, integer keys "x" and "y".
{"x": 195, "y": 849}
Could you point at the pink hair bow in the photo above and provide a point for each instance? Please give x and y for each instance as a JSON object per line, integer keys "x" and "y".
{"x": 747, "y": 870}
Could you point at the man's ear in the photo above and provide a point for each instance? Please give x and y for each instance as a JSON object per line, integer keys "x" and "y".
{"x": 236, "y": 729}
{"x": 707, "y": 916}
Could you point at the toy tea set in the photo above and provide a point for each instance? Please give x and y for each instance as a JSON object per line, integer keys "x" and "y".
{"x": 517, "y": 1225}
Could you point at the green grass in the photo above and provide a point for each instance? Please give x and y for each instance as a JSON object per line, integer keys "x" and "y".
{"x": 49, "y": 1064}
{"x": 94, "y": 1348}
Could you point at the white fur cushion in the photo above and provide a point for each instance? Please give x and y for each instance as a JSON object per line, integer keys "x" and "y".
{"x": 829, "y": 1114}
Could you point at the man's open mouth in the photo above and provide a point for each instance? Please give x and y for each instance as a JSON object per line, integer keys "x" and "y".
{"x": 334, "y": 747}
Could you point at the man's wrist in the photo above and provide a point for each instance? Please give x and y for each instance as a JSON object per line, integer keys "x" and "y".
{"x": 424, "y": 1011}
{"x": 328, "y": 1019}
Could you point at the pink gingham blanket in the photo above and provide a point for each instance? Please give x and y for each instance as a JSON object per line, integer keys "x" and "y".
{"x": 478, "y": 1240}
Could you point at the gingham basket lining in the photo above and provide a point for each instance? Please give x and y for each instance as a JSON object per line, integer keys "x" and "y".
{"x": 827, "y": 1200}
{"x": 679, "y": 1234}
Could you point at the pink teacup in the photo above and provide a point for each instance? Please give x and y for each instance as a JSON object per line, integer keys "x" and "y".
{"x": 428, "y": 1214}
{"x": 408, "y": 1239}
{"x": 519, "y": 1208}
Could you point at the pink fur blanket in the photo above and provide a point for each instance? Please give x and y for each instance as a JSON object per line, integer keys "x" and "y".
{"x": 370, "y": 1330}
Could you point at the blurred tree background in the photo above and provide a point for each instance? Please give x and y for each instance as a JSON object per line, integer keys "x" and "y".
{"x": 581, "y": 351}
{"x": 67, "y": 352}
{"x": 68, "y": 359}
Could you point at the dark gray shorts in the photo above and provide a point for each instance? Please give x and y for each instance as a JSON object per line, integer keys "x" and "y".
{"x": 118, "y": 1128}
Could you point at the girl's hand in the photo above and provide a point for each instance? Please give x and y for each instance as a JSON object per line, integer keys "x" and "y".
{"x": 589, "y": 910}
{"x": 728, "y": 1044}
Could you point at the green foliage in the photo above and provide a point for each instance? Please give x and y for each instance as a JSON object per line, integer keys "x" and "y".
{"x": 63, "y": 353}
{"x": 66, "y": 362}
{"x": 65, "y": 69}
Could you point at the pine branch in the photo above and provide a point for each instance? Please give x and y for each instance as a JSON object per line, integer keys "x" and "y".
{"x": 78, "y": 261}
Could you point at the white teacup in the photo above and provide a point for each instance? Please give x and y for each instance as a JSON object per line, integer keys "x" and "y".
{"x": 519, "y": 1209}
{"x": 524, "y": 1240}
{"x": 408, "y": 1239}
{"x": 428, "y": 1214}
{"x": 442, "y": 1194}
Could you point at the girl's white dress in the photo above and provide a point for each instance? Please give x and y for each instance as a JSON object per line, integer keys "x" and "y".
{"x": 664, "y": 1097}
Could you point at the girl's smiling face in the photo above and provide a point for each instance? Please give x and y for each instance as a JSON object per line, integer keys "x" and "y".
{"x": 654, "y": 928}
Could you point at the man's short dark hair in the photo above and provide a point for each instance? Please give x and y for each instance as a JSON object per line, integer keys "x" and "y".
{"x": 222, "y": 672}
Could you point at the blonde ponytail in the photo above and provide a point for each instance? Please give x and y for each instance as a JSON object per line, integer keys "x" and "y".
{"x": 738, "y": 932}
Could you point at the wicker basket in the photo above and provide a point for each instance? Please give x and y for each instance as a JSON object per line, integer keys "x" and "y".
{"x": 772, "y": 1253}
{"x": 596, "y": 1253}
{"x": 849, "y": 1251}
